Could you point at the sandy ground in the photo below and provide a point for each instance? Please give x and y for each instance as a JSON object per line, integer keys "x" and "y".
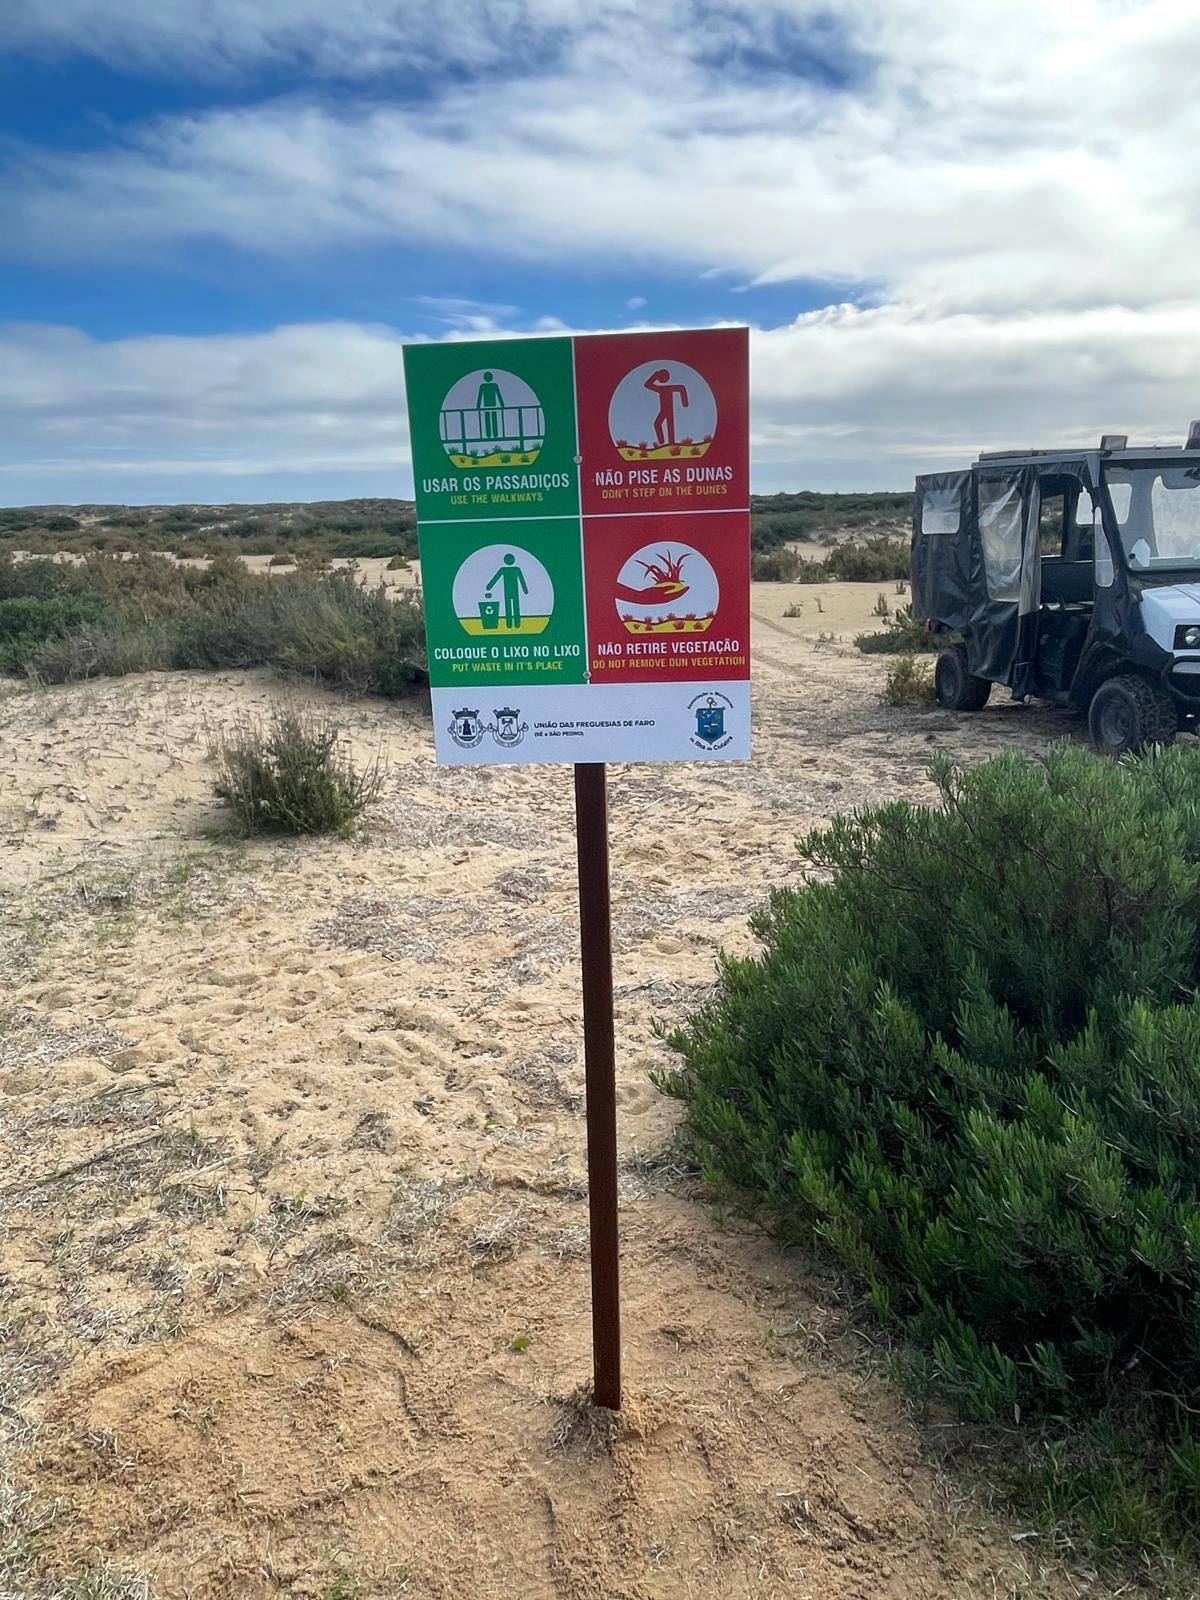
{"x": 294, "y": 1295}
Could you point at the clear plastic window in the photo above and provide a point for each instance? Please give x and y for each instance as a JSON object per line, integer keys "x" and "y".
{"x": 1001, "y": 517}
{"x": 1120, "y": 492}
{"x": 1104, "y": 561}
{"x": 941, "y": 512}
{"x": 1158, "y": 513}
{"x": 1051, "y": 520}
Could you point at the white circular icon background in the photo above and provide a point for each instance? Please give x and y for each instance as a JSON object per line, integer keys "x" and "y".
{"x": 676, "y": 563}
{"x": 514, "y": 391}
{"x": 633, "y": 408}
{"x": 481, "y": 566}
{"x": 509, "y": 417}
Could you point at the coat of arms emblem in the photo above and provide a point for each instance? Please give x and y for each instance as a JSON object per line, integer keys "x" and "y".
{"x": 466, "y": 729}
{"x": 509, "y": 730}
{"x": 709, "y": 711}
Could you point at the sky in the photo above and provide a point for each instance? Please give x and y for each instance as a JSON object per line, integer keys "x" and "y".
{"x": 950, "y": 225}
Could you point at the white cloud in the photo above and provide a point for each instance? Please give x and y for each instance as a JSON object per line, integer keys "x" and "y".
{"x": 476, "y": 317}
{"x": 1003, "y": 186}
{"x": 996, "y": 155}
{"x": 167, "y": 418}
{"x": 847, "y": 397}
{"x": 223, "y": 38}
{"x": 877, "y": 394}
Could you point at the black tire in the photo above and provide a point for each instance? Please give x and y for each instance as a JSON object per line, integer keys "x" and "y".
{"x": 1128, "y": 713}
{"x": 955, "y": 688}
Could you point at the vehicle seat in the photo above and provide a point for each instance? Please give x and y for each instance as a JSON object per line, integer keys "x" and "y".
{"x": 1066, "y": 583}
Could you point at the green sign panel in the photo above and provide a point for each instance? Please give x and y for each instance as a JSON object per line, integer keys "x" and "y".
{"x": 493, "y": 429}
{"x": 504, "y": 602}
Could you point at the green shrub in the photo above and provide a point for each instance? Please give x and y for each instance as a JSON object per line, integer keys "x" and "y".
{"x": 349, "y": 529}
{"x": 27, "y": 622}
{"x": 289, "y": 776}
{"x": 329, "y": 628}
{"x": 38, "y": 579}
{"x": 813, "y": 572}
{"x": 967, "y": 1066}
{"x": 310, "y": 558}
{"x": 770, "y": 529}
{"x": 780, "y": 565}
{"x": 362, "y": 547}
{"x": 819, "y": 514}
{"x": 143, "y": 586}
{"x": 909, "y": 682}
{"x": 903, "y": 635}
{"x": 876, "y": 561}
{"x": 109, "y": 615}
{"x": 103, "y": 649}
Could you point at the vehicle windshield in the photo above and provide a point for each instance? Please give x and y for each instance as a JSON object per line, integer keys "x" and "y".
{"x": 1158, "y": 512}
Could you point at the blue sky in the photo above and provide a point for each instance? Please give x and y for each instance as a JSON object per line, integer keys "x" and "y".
{"x": 950, "y": 224}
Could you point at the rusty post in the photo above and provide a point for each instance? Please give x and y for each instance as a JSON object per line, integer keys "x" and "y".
{"x": 595, "y": 928}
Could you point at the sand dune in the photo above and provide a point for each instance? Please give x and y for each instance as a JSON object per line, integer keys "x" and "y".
{"x": 293, "y": 1177}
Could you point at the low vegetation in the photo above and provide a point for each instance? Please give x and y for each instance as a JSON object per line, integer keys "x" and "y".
{"x": 879, "y": 560}
{"x": 291, "y": 775}
{"x": 780, "y": 565}
{"x": 809, "y": 517}
{"x": 360, "y": 529}
{"x": 346, "y": 529}
{"x": 909, "y": 682}
{"x": 904, "y": 634}
{"x": 107, "y": 616}
{"x": 966, "y": 1066}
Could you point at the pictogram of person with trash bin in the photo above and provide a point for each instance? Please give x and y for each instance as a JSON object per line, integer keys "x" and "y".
{"x": 512, "y": 582}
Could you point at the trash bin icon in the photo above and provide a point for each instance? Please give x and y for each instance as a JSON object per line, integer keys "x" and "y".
{"x": 489, "y": 613}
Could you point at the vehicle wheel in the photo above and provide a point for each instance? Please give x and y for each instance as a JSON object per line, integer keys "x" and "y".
{"x": 956, "y": 689}
{"x": 1128, "y": 713}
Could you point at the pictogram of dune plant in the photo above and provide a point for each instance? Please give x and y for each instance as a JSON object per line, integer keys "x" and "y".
{"x": 667, "y": 569}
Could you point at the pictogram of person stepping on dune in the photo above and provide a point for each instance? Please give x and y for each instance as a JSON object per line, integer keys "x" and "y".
{"x": 662, "y": 410}
{"x": 659, "y": 384}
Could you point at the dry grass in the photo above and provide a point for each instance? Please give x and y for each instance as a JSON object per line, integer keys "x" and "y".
{"x": 28, "y": 1039}
{"x": 29, "y": 1361}
{"x": 419, "y": 1207}
{"x": 541, "y": 1075}
{"x": 499, "y": 1235}
{"x": 586, "y": 1429}
{"x": 334, "y": 1269}
{"x": 641, "y": 1173}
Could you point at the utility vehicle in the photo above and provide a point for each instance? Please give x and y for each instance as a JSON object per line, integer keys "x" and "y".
{"x": 1071, "y": 576}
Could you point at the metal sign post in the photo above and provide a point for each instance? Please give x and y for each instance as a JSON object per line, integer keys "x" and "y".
{"x": 595, "y": 930}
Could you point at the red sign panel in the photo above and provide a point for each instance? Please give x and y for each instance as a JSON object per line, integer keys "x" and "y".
{"x": 663, "y": 421}
{"x": 667, "y": 597}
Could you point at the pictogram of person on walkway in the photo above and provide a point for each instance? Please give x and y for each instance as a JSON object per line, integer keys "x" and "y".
{"x": 659, "y": 383}
{"x": 489, "y": 403}
{"x": 512, "y": 580}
